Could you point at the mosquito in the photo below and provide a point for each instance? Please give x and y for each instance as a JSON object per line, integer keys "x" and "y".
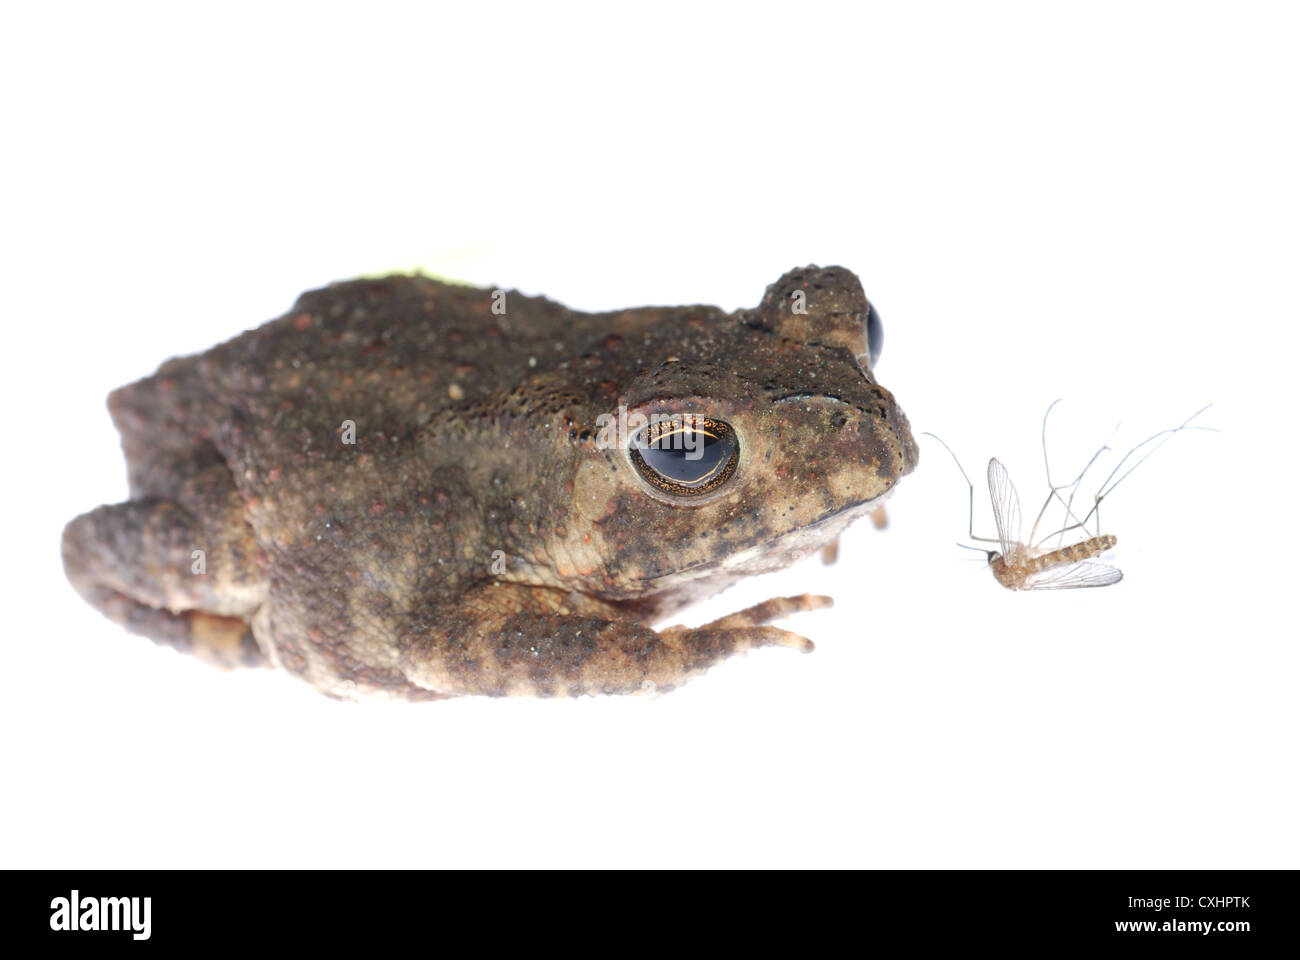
{"x": 1036, "y": 564}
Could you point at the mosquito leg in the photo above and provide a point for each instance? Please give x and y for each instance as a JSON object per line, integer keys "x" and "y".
{"x": 1110, "y": 483}
{"x": 1055, "y": 494}
{"x": 1074, "y": 488}
{"x": 970, "y": 489}
{"x": 1047, "y": 466}
{"x": 1069, "y": 515}
{"x": 1058, "y": 533}
{"x": 1033, "y": 531}
{"x": 1108, "y": 486}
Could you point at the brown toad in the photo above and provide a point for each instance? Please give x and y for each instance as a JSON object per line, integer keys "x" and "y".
{"x": 407, "y": 488}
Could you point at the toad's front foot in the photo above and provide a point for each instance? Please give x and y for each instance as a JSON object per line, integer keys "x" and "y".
{"x": 524, "y": 641}
{"x": 749, "y": 623}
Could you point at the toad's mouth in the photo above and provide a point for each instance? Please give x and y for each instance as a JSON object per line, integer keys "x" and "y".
{"x": 765, "y": 556}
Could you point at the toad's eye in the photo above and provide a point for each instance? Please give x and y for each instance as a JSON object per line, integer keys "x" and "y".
{"x": 685, "y": 456}
{"x": 875, "y": 336}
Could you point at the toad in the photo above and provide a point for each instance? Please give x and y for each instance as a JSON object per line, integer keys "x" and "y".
{"x": 405, "y": 488}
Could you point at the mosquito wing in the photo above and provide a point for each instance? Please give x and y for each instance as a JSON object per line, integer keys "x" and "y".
{"x": 1075, "y": 576}
{"x": 1006, "y": 506}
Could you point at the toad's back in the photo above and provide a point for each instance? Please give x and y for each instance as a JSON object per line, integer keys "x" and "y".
{"x": 387, "y": 353}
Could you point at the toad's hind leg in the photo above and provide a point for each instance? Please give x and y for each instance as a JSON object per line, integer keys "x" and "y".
{"x": 151, "y": 567}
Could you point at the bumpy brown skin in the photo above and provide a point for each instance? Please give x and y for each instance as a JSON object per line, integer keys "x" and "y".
{"x": 367, "y": 568}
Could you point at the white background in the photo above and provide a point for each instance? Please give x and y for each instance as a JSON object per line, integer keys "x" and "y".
{"x": 1096, "y": 201}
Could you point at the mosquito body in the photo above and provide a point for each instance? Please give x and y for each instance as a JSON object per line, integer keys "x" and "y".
{"x": 1037, "y": 563}
{"x": 1021, "y": 568}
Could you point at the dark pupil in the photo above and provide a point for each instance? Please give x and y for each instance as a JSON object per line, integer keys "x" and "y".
{"x": 875, "y": 336}
{"x": 687, "y": 456}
